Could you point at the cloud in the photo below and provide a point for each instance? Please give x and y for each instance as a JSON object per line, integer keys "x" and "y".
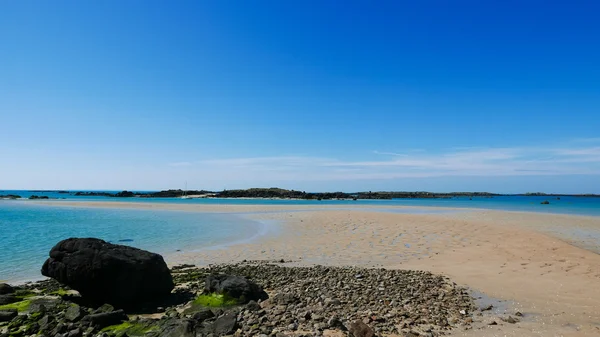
{"x": 476, "y": 162}
{"x": 181, "y": 164}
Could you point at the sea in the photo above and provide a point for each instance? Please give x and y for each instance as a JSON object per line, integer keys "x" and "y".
{"x": 28, "y": 230}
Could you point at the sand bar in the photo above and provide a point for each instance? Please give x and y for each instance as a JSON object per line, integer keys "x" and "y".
{"x": 545, "y": 266}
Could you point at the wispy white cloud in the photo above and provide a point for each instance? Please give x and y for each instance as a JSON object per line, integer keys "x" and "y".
{"x": 566, "y": 159}
{"x": 390, "y": 153}
{"x": 181, "y": 164}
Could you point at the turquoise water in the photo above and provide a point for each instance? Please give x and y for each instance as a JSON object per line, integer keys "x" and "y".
{"x": 566, "y": 205}
{"x": 29, "y": 231}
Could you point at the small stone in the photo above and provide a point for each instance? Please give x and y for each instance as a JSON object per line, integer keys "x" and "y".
{"x": 104, "y": 308}
{"x": 335, "y": 323}
{"x": 77, "y": 333}
{"x": 74, "y": 313}
{"x": 7, "y": 315}
{"x": 463, "y": 312}
{"x": 510, "y": 320}
{"x": 202, "y": 315}
{"x": 360, "y": 329}
{"x": 253, "y": 306}
{"x": 518, "y": 314}
{"x": 225, "y": 325}
{"x": 46, "y": 322}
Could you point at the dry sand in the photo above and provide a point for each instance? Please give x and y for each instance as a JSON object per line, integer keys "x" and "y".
{"x": 545, "y": 266}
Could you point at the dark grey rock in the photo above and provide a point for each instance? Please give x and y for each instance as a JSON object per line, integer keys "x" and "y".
{"x": 8, "y": 299}
{"x": 74, "y": 313}
{"x": 47, "y": 303}
{"x": 59, "y": 329}
{"x": 46, "y": 323}
{"x": 225, "y": 325}
{"x": 178, "y": 328}
{"x": 335, "y": 323}
{"x": 236, "y": 287}
{"x": 6, "y": 289}
{"x": 104, "y": 308}
{"x": 37, "y": 308}
{"x": 75, "y": 333}
{"x": 285, "y": 299}
{"x": 7, "y": 315}
{"x": 105, "y": 319}
{"x": 253, "y": 306}
{"x": 202, "y": 315}
{"x": 106, "y": 273}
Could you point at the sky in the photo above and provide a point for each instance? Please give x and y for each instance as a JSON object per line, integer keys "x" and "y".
{"x": 499, "y": 96}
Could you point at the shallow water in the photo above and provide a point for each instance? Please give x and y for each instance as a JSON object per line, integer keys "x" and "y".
{"x": 29, "y": 231}
{"x": 565, "y": 205}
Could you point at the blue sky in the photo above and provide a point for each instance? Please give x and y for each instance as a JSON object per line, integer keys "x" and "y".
{"x": 499, "y": 96}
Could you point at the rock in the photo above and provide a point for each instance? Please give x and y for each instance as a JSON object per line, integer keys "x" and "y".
{"x": 202, "y": 315}
{"x": 104, "y": 319}
{"x": 60, "y": 328}
{"x": 487, "y": 308}
{"x": 360, "y": 329}
{"x": 39, "y": 308}
{"x": 104, "y": 308}
{"x": 43, "y": 304}
{"x": 46, "y": 323}
{"x": 77, "y": 333}
{"x": 106, "y": 273}
{"x": 545, "y": 202}
{"x": 178, "y": 328}
{"x": 285, "y": 299}
{"x": 225, "y": 325}
{"x": 74, "y": 313}
{"x": 518, "y": 314}
{"x": 510, "y": 320}
{"x": 236, "y": 287}
{"x": 6, "y": 289}
{"x": 8, "y": 299}
{"x": 253, "y": 306}
{"x": 7, "y": 315}
{"x": 335, "y": 323}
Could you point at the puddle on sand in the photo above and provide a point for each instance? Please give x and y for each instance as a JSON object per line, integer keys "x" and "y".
{"x": 499, "y": 307}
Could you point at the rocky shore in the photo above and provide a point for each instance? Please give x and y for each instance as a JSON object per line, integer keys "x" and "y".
{"x": 101, "y": 289}
{"x": 299, "y": 301}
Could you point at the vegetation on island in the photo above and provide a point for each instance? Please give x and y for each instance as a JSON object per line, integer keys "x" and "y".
{"x": 280, "y": 193}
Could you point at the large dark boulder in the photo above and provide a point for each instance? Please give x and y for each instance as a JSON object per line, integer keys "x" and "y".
{"x": 106, "y": 273}
{"x": 237, "y": 287}
{"x": 6, "y": 289}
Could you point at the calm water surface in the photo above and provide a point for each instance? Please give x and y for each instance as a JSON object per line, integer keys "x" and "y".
{"x": 28, "y": 231}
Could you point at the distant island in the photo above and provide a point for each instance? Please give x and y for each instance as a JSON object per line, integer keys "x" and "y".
{"x": 279, "y": 193}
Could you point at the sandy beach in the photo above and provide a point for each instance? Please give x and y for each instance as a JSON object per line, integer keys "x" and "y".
{"x": 545, "y": 266}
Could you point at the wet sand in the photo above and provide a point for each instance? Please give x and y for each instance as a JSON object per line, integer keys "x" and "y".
{"x": 545, "y": 266}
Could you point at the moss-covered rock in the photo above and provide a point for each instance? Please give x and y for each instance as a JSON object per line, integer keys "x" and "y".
{"x": 132, "y": 328}
{"x": 215, "y": 300}
{"x": 20, "y": 306}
